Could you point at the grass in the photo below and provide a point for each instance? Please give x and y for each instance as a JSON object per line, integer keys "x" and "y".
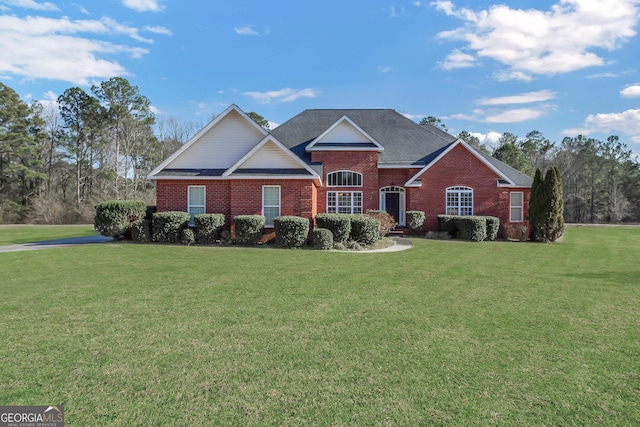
{"x": 448, "y": 333}
{"x": 16, "y": 234}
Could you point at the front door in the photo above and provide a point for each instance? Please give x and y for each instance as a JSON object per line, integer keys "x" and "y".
{"x": 392, "y": 205}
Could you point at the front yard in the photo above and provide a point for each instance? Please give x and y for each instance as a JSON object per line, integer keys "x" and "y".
{"x": 448, "y": 332}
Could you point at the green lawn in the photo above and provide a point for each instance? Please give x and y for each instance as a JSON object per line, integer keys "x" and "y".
{"x": 15, "y": 234}
{"x": 448, "y": 333}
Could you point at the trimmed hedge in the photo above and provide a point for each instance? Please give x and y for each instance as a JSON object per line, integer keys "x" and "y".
{"x": 248, "y": 228}
{"x": 114, "y": 218}
{"x": 338, "y": 224}
{"x": 493, "y": 225}
{"x": 415, "y": 220}
{"x": 471, "y": 228}
{"x": 141, "y": 231}
{"x": 291, "y": 231}
{"x": 322, "y": 239}
{"x": 188, "y": 237}
{"x": 476, "y": 228}
{"x": 364, "y": 229}
{"x": 208, "y": 228}
{"x": 387, "y": 223}
{"x": 167, "y": 226}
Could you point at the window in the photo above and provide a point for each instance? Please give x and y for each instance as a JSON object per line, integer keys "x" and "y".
{"x": 516, "y": 202}
{"x": 270, "y": 203}
{"x": 349, "y": 202}
{"x": 459, "y": 201}
{"x": 196, "y": 200}
{"x": 344, "y": 179}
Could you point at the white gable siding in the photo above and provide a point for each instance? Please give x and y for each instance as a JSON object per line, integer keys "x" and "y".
{"x": 344, "y": 133}
{"x": 270, "y": 156}
{"x": 222, "y": 146}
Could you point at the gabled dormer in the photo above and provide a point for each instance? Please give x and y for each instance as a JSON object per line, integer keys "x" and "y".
{"x": 344, "y": 135}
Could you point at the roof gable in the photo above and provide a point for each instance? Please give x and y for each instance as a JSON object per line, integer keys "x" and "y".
{"x": 415, "y": 182}
{"x": 218, "y": 145}
{"x": 344, "y": 135}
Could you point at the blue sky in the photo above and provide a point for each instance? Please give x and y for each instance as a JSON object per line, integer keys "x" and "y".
{"x": 562, "y": 67}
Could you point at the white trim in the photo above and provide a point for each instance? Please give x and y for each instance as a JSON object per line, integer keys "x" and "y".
{"x": 402, "y": 220}
{"x": 310, "y": 147}
{"x": 204, "y": 130}
{"x": 265, "y": 140}
{"x": 337, "y": 205}
{"x": 344, "y": 170}
{"x": 454, "y": 144}
{"x": 521, "y": 206}
{"x": 279, "y": 205}
{"x": 204, "y": 197}
{"x": 398, "y": 166}
{"x": 220, "y": 178}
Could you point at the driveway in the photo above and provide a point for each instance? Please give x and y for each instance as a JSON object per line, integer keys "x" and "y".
{"x": 58, "y": 243}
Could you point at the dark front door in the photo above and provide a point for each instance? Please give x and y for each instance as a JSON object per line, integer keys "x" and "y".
{"x": 392, "y": 204}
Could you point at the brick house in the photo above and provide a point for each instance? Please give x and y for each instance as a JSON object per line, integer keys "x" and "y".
{"x": 345, "y": 161}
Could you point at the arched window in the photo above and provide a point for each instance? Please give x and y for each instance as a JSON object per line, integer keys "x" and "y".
{"x": 344, "y": 179}
{"x": 459, "y": 201}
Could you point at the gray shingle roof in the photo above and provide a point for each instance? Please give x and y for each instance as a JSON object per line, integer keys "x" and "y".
{"x": 404, "y": 141}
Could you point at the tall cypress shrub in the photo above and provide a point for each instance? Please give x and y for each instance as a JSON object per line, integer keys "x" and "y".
{"x": 536, "y": 206}
{"x": 553, "y": 184}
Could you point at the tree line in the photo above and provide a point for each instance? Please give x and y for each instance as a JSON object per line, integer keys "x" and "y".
{"x": 59, "y": 159}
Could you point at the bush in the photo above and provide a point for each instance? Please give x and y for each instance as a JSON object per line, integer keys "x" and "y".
{"x": 167, "y": 226}
{"x": 322, "y": 239}
{"x": 141, "y": 231}
{"x": 471, "y": 228}
{"x": 248, "y": 228}
{"x": 415, "y": 221}
{"x": 516, "y": 232}
{"x": 447, "y": 223}
{"x": 493, "y": 225}
{"x": 208, "y": 228}
{"x": 114, "y": 218}
{"x": 364, "y": 229}
{"x": 188, "y": 237}
{"x": 291, "y": 231}
{"x": 338, "y": 224}
{"x": 387, "y": 223}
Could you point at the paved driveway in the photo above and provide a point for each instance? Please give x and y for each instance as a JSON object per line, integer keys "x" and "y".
{"x": 58, "y": 243}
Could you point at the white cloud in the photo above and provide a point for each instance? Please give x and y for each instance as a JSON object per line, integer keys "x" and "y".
{"x": 627, "y": 122}
{"x": 632, "y": 91}
{"x": 63, "y": 49}
{"x": 506, "y": 75}
{"x": 158, "y": 30}
{"x": 273, "y": 125}
{"x": 282, "y": 95}
{"x": 384, "y": 70}
{"x": 82, "y": 9}
{"x": 490, "y": 139}
{"x": 31, "y": 4}
{"x": 515, "y": 115}
{"x": 143, "y": 5}
{"x": 246, "y": 31}
{"x": 414, "y": 117}
{"x": 523, "y": 98}
{"x": 558, "y": 40}
{"x": 458, "y": 59}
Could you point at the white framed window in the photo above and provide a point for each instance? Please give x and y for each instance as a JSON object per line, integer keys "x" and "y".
{"x": 516, "y": 206}
{"x": 459, "y": 201}
{"x": 270, "y": 203}
{"x": 196, "y": 200}
{"x": 349, "y": 202}
{"x": 344, "y": 179}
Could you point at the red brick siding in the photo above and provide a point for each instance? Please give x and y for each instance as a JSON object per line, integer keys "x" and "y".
{"x": 364, "y": 162}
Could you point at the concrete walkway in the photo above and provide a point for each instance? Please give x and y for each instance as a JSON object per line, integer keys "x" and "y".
{"x": 399, "y": 244}
{"x": 58, "y": 243}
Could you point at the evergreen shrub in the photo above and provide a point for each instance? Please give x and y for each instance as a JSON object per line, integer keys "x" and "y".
{"x": 167, "y": 226}
{"x": 141, "y": 231}
{"x": 208, "y": 228}
{"x": 114, "y": 218}
{"x": 188, "y": 237}
{"x": 447, "y": 223}
{"x": 471, "y": 228}
{"x": 338, "y": 224}
{"x": 415, "y": 221}
{"x": 493, "y": 225}
{"x": 322, "y": 239}
{"x": 364, "y": 229}
{"x": 291, "y": 231}
{"x": 248, "y": 228}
